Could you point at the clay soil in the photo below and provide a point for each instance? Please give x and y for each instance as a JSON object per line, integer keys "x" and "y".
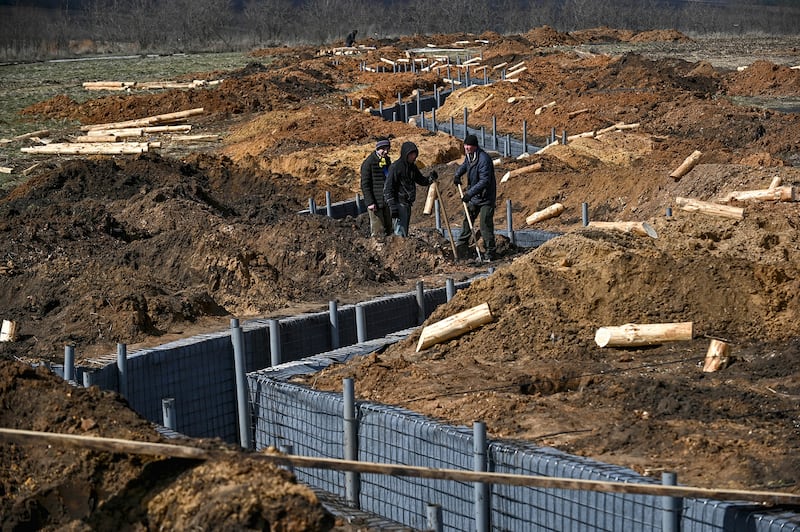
{"x": 144, "y": 249}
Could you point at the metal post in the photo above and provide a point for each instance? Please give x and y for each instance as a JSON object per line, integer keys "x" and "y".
{"x": 88, "y": 378}
{"x": 479, "y": 461}
{"x": 361, "y": 104}
{"x": 275, "y": 342}
{"x": 483, "y": 135}
{"x": 287, "y": 448}
{"x": 524, "y": 136}
{"x": 168, "y": 413}
{"x": 419, "y": 99}
{"x": 671, "y": 507}
{"x": 420, "y": 302}
{"x": 358, "y": 203}
{"x": 422, "y": 120}
{"x": 494, "y": 132}
{"x": 312, "y": 206}
{"x": 452, "y": 127}
{"x": 433, "y": 514}
{"x": 552, "y": 134}
{"x": 352, "y": 479}
{"x": 564, "y": 137}
{"x": 380, "y": 107}
{"x": 328, "y": 206}
{"x": 437, "y": 215}
{"x": 450, "y": 288}
{"x": 333, "y": 312}
{"x": 510, "y": 223}
{"x": 508, "y": 144}
{"x": 69, "y": 362}
{"x": 122, "y": 369}
{"x": 399, "y": 98}
{"x": 669, "y": 212}
{"x": 242, "y": 395}
{"x": 436, "y": 95}
{"x": 394, "y": 116}
{"x": 435, "y": 127}
{"x": 361, "y": 323}
{"x": 585, "y": 214}
{"x": 466, "y": 129}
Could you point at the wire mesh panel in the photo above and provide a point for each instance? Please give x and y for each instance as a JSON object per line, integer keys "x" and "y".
{"x": 397, "y": 436}
{"x": 308, "y": 420}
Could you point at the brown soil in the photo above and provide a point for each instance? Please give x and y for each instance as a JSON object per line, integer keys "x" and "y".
{"x": 138, "y": 250}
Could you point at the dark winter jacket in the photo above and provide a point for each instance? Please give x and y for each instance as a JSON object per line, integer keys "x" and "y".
{"x": 374, "y": 170}
{"x": 481, "y": 186}
{"x": 400, "y": 186}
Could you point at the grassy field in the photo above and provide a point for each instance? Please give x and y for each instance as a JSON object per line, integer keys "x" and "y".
{"x": 24, "y": 84}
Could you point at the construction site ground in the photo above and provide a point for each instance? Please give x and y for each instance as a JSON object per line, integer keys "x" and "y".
{"x": 143, "y": 249}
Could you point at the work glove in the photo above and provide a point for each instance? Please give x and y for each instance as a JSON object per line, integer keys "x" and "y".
{"x": 465, "y": 198}
{"x": 395, "y": 211}
{"x": 457, "y": 180}
{"x": 433, "y": 177}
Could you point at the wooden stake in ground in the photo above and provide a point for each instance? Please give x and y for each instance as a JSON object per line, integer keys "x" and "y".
{"x": 635, "y": 335}
{"x": 540, "y": 110}
{"x": 637, "y": 228}
{"x": 454, "y": 326}
{"x": 717, "y": 356}
{"x": 430, "y": 199}
{"x": 688, "y": 163}
{"x": 545, "y": 214}
{"x": 8, "y": 333}
{"x": 713, "y": 209}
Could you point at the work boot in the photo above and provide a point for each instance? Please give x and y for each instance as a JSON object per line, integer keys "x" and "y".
{"x": 489, "y": 256}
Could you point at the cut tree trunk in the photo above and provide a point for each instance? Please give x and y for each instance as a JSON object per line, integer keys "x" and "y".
{"x": 545, "y": 214}
{"x": 712, "y": 209}
{"x": 637, "y": 228}
{"x": 784, "y": 193}
{"x": 687, "y": 164}
{"x": 717, "y": 356}
{"x": 635, "y": 335}
{"x": 454, "y": 326}
{"x": 88, "y": 148}
{"x": 535, "y": 167}
{"x": 431, "y": 199}
{"x": 147, "y": 121}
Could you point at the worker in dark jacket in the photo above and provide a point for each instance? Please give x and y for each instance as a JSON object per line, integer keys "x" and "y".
{"x": 374, "y": 170}
{"x": 480, "y": 197}
{"x": 400, "y": 189}
{"x": 350, "y": 40}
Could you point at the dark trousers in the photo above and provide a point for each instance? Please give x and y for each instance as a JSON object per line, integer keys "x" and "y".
{"x": 485, "y": 217}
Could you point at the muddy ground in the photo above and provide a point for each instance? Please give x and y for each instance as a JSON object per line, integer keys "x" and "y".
{"x": 143, "y": 249}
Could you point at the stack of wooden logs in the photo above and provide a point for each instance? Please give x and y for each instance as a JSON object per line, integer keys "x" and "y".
{"x": 110, "y": 138}
{"x": 147, "y": 85}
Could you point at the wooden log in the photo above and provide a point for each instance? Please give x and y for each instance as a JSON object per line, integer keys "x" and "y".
{"x": 430, "y": 199}
{"x": 117, "y": 445}
{"x": 535, "y": 167}
{"x": 545, "y": 214}
{"x": 32, "y": 134}
{"x": 516, "y": 73}
{"x": 717, "y": 356}
{"x": 517, "y": 66}
{"x": 784, "y": 193}
{"x": 584, "y": 135}
{"x": 637, "y": 228}
{"x": 147, "y": 121}
{"x": 97, "y": 138}
{"x": 460, "y": 93}
{"x": 30, "y": 169}
{"x": 8, "y": 332}
{"x": 89, "y": 148}
{"x": 500, "y": 65}
{"x": 454, "y": 326}
{"x": 712, "y": 209}
{"x": 203, "y": 137}
{"x": 541, "y": 109}
{"x": 573, "y": 114}
{"x": 776, "y": 182}
{"x": 513, "y": 99}
{"x": 482, "y": 103}
{"x": 128, "y": 132}
{"x": 687, "y": 164}
{"x": 547, "y": 147}
{"x": 636, "y": 335}
{"x": 6, "y": 169}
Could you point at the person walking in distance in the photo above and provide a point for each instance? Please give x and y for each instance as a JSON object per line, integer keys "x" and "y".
{"x": 400, "y": 189}
{"x": 374, "y": 170}
{"x": 350, "y": 40}
{"x": 480, "y": 197}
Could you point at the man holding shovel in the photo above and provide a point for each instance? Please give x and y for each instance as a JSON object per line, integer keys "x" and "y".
{"x": 479, "y": 199}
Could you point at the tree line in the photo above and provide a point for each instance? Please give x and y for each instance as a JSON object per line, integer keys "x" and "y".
{"x": 168, "y": 26}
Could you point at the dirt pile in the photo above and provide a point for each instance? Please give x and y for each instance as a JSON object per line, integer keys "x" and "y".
{"x": 139, "y": 249}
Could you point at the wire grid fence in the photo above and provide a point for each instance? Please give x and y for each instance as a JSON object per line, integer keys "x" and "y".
{"x": 311, "y": 422}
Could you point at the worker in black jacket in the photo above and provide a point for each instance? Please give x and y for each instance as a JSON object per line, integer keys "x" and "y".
{"x": 374, "y": 170}
{"x": 480, "y": 197}
{"x": 400, "y": 189}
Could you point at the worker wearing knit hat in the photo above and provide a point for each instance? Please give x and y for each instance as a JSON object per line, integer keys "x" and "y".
{"x": 480, "y": 197}
{"x": 374, "y": 170}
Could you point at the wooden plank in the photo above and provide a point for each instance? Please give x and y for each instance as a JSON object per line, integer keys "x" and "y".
{"x": 637, "y": 335}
